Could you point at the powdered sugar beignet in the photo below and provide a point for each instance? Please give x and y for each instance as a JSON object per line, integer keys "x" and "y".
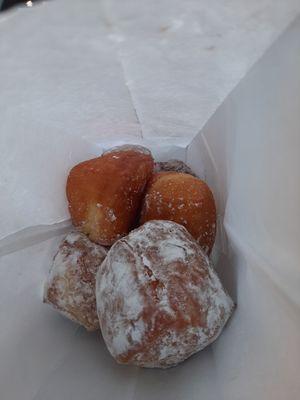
{"x": 70, "y": 287}
{"x": 158, "y": 299}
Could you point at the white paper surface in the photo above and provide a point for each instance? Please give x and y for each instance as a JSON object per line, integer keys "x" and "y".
{"x": 248, "y": 153}
{"x": 182, "y": 58}
{"x": 73, "y": 73}
{"x": 250, "y": 150}
{"x": 60, "y": 83}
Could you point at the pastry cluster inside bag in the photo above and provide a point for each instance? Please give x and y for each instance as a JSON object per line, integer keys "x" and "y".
{"x": 137, "y": 263}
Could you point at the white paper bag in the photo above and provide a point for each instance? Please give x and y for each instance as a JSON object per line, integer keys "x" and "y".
{"x": 248, "y": 154}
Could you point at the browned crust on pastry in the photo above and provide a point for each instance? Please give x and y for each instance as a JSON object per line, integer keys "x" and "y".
{"x": 184, "y": 199}
{"x": 105, "y": 193}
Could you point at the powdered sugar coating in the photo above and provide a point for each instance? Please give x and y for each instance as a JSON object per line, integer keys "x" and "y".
{"x": 70, "y": 287}
{"x": 158, "y": 299}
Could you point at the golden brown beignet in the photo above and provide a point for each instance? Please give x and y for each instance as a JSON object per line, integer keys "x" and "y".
{"x": 105, "y": 193}
{"x": 184, "y": 199}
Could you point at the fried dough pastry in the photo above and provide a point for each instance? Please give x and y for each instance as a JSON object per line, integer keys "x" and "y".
{"x": 184, "y": 199}
{"x": 158, "y": 298}
{"x": 105, "y": 193}
{"x": 70, "y": 287}
{"x": 173, "y": 165}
